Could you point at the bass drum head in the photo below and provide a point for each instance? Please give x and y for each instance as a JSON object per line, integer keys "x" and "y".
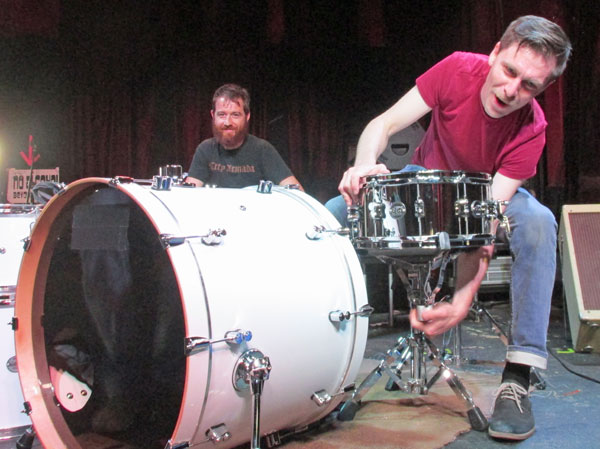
{"x": 98, "y": 303}
{"x": 123, "y": 304}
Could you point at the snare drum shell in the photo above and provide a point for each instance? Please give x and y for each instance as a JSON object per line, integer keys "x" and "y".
{"x": 412, "y": 208}
{"x": 266, "y": 276}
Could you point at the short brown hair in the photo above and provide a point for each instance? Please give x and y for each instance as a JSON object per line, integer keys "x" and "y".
{"x": 232, "y": 92}
{"x": 541, "y": 35}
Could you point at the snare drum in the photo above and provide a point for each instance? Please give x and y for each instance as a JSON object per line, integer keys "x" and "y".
{"x": 241, "y": 262}
{"x": 16, "y": 222}
{"x": 408, "y": 212}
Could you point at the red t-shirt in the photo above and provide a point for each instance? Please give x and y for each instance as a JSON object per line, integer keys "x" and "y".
{"x": 461, "y": 136}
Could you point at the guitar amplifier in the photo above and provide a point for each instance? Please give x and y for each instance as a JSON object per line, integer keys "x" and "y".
{"x": 579, "y": 245}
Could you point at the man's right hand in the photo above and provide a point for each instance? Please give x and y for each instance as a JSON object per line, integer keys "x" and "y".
{"x": 354, "y": 178}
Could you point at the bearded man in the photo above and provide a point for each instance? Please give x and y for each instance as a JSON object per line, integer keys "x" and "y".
{"x": 233, "y": 157}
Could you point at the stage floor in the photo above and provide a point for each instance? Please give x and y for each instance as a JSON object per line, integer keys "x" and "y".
{"x": 566, "y": 410}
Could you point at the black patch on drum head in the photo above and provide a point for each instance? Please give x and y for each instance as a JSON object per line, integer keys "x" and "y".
{"x": 100, "y": 227}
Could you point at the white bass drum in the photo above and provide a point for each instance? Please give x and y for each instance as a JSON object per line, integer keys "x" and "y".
{"x": 203, "y": 264}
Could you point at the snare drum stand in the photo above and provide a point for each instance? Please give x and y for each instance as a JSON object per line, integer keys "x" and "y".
{"x": 416, "y": 348}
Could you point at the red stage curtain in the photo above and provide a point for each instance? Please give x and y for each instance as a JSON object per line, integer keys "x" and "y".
{"x": 29, "y": 17}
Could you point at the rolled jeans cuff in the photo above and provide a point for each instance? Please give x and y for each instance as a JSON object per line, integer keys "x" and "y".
{"x": 526, "y": 358}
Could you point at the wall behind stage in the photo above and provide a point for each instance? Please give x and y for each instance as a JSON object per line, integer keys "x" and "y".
{"x": 119, "y": 88}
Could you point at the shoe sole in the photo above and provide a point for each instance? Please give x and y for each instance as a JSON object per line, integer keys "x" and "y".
{"x": 511, "y": 436}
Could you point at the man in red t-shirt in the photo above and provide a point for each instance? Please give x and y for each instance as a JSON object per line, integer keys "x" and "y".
{"x": 485, "y": 119}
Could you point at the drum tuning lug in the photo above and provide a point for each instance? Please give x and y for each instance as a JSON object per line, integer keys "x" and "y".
{"x": 344, "y": 232}
{"x": 120, "y": 180}
{"x": 196, "y": 344}
{"x": 461, "y": 208}
{"x": 26, "y": 243}
{"x": 234, "y": 337}
{"x": 353, "y": 214}
{"x": 273, "y": 439}
{"x": 377, "y": 210}
{"x": 318, "y": 232}
{"x": 365, "y": 310}
{"x": 168, "y": 240}
{"x": 161, "y": 182}
{"x": 217, "y": 434}
{"x": 214, "y": 237}
{"x": 337, "y": 316}
{"x": 264, "y": 186}
{"x": 321, "y": 398}
{"x": 419, "y": 208}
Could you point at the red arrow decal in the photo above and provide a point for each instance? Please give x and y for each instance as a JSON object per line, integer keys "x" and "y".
{"x": 30, "y": 159}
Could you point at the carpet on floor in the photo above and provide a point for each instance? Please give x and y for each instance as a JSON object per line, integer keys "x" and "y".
{"x": 400, "y": 420}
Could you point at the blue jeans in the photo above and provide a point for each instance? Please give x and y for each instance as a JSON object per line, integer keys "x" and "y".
{"x": 533, "y": 246}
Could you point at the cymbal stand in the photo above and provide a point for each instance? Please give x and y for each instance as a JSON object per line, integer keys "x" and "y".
{"x": 415, "y": 349}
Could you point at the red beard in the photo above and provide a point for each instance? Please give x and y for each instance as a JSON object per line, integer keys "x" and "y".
{"x": 230, "y": 138}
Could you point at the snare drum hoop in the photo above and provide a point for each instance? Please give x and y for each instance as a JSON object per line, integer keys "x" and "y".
{"x": 428, "y": 177}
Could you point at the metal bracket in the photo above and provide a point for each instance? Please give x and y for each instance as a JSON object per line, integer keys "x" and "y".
{"x": 251, "y": 371}
{"x": 218, "y": 433}
{"x": 337, "y": 316}
{"x": 318, "y": 232}
{"x": 212, "y": 238}
{"x": 194, "y": 345}
{"x": 264, "y": 186}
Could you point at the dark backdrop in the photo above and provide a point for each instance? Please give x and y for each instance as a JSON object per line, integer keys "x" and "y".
{"x": 121, "y": 87}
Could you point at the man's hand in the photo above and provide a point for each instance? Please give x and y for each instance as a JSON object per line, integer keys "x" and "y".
{"x": 443, "y": 316}
{"x": 354, "y": 178}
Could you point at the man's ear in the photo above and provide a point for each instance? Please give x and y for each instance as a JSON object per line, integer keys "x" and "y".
{"x": 247, "y": 116}
{"x": 494, "y": 53}
{"x": 212, "y": 113}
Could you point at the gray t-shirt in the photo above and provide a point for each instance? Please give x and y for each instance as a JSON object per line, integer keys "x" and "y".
{"x": 254, "y": 161}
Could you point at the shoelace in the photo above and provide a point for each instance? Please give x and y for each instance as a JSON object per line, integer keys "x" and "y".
{"x": 512, "y": 391}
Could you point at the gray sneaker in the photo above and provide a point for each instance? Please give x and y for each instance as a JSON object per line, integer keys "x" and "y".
{"x": 512, "y": 418}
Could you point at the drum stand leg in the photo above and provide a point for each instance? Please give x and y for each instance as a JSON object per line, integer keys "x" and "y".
{"x": 413, "y": 349}
{"x": 25, "y": 441}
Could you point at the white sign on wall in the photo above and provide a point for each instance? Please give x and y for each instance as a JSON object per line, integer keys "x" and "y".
{"x": 18, "y": 182}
